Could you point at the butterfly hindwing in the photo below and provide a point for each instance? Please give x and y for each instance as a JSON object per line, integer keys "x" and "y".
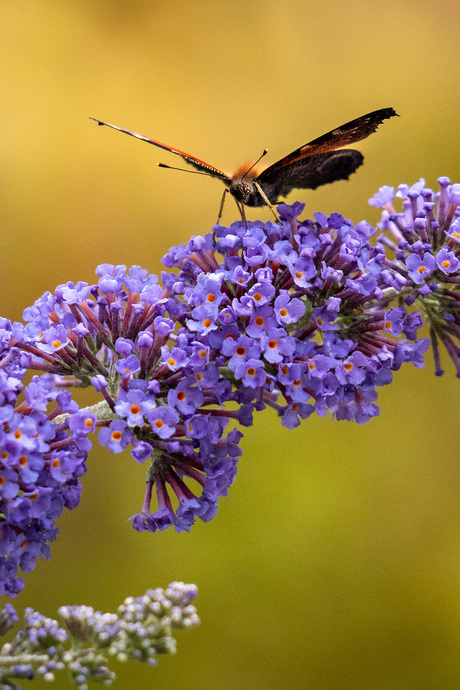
{"x": 309, "y": 173}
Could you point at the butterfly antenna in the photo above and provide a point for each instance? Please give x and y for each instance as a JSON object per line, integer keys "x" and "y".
{"x": 264, "y": 153}
{"x": 194, "y": 172}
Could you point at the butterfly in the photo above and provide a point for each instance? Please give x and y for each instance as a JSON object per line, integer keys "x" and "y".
{"x": 320, "y": 161}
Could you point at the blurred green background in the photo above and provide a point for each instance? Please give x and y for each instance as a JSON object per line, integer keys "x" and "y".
{"x": 335, "y": 561}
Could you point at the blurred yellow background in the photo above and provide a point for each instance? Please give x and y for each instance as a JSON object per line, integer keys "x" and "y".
{"x": 335, "y": 561}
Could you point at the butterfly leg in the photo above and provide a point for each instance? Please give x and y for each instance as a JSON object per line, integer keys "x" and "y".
{"x": 221, "y": 207}
{"x": 242, "y": 212}
{"x": 264, "y": 197}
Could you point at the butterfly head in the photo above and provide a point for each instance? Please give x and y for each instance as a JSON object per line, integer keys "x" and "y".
{"x": 242, "y": 185}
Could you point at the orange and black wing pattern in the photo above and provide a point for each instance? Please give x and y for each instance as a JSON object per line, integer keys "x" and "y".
{"x": 319, "y": 161}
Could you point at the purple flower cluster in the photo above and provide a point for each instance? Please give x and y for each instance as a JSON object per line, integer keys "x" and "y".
{"x": 301, "y": 316}
{"x": 40, "y": 462}
{"x": 425, "y": 238}
{"x": 296, "y": 314}
{"x": 161, "y": 392}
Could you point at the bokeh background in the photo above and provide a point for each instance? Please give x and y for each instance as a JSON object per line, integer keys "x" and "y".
{"x": 335, "y": 561}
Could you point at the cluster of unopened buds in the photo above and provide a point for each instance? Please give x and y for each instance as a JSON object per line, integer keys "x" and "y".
{"x": 302, "y": 316}
{"x": 83, "y": 643}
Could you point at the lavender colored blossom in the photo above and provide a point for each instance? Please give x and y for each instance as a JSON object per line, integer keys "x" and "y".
{"x": 116, "y": 436}
{"x": 420, "y": 267}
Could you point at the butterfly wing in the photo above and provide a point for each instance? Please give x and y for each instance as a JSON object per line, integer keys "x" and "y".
{"x": 188, "y": 158}
{"x": 309, "y": 173}
{"x": 347, "y": 134}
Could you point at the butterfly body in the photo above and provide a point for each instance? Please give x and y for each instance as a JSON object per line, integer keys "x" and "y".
{"x": 319, "y": 162}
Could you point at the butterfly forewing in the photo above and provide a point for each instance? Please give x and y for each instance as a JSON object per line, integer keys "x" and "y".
{"x": 192, "y": 160}
{"x": 347, "y": 134}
